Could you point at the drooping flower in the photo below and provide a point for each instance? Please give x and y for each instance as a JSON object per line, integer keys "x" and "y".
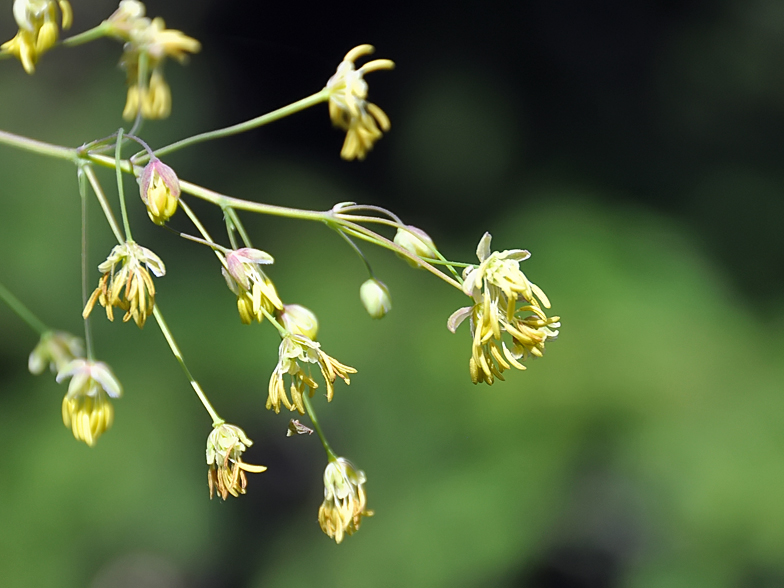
{"x": 415, "y": 241}
{"x": 160, "y": 190}
{"x": 226, "y": 470}
{"x": 345, "y": 500}
{"x": 130, "y": 287}
{"x": 149, "y": 40}
{"x": 55, "y": 349}
{"x": 298, "y": 320}
{"x": 86, "y": 406}
{"x": 295, "y": 350}
{"x": 375, "y": 298}
{"x": 348, "y": 105}
{"x": 496, "y": 285}
{"x": 38, "y": 30}
{"x": 254, "y": 290}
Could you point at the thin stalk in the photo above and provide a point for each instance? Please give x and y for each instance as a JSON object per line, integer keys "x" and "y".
{"x": 230, "y": 228}
{"x": 88, "y": 335}
{"x": 242, "y": 127}
{"x": 22, "y": 311}
{"x": 107, "y": 211}
{"x": 216, "y": 420}
{"x": 39, "y": 147}
{"x": 235, "y": 218}
{"x": 120, "y": 190}
{"x": 282, "y": 331}
{"x": 197, "y": 223}
{"x": 358, "y": 251}
{"x": 331, "y": 455}
{"x": 92, "y": 34}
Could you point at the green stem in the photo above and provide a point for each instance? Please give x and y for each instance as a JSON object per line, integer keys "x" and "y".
{"x": 358, "y": 251}
{"x": 88, "y": 338}
{"x": 216, "y": 420}
{"x": 39, "y": 147}
{"x": 107, "y": 210}
{"x": 235, "y": 218}
{"x": 102, "y": 30}
{"x": 312, "y": 414}
{"x": 253, "y": 123}
{"x": 120, "y": 190}
{"x": 282, "y": 331}
{"x": 22, "y": 311}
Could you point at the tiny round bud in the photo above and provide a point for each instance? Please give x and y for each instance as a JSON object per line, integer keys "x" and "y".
{"x": 415, "y": 241}
{"x": 160, "y": 191}
{"x": 298, "y": 320}
{"x": 375, "y": 297}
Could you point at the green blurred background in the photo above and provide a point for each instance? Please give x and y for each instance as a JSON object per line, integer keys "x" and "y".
{"x": 633, "y": 148}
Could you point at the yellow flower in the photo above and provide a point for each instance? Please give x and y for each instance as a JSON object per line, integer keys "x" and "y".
{"x": 345, "y": 501}
{"x": 496, "y": 286}
{"x": 348, "y": 105}
{"x": 86, "y": 406}
{"x": 293, "y": 350}
{"x": 254, "y": 290}
{"x": 129, "y": 288}
{"x": 160, "y": 191}
{"x": 226, "y": 473}
{"x": 38, "y": 31}
{"x": 57, "y": 349}
{"x": 151, "y": 95}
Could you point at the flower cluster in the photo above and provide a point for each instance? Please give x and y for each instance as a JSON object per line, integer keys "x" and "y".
{"x": 293, "y": 350}
{"x": 86, "y": 406}
{"x": 147, "y": 44}
{"x": 129, "y": 288}
{"x": 348, "y": 105}
{"x": 55, "y": 349}
{"x": 255, "y": 292}
{"x": 38, "y": 31}
{"x": 226, "y": 473}
{"x": 345, "y": 502}
{"x": 496, "y": 285}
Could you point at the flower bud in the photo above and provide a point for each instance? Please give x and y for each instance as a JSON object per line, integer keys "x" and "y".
{"x": 375, "y": 297}
{"x": 415, "y": 241}
{"x": 298, "y": 320}
{"x": 160, "y": 191}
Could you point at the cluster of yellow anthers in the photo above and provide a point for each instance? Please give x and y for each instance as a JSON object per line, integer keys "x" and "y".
{"x": 255, "y": 292}
{"x": 160, "y": 191}
{"x": 38, "y": 30}
{"x": 348, "y": 105}
{"x": 226, "y": 470}
{"x": 496, "y": 285}
{"x": 147, "y": 44}
{"x": 345, "y": 501}
{"x": 86, "y": 406}
{"x": 130, "y": 287}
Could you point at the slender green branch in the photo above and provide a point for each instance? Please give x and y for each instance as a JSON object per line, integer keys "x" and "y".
{"x": 242, "y": 127}
{"x": 22, "y": 311}
{"x": 331, "y": 455}
{"x": 120, "y": 190}
{"x": 88, "y": 336}
{"x": 197, "y": 223}
{"x": 235, "y": 218}
{"x": 283, "y": 331}
{"x": 358, "y": 251}
{"x": 102, "y": 30}
{"x": 107, "y": 210}
{"x": 230, "y": 228}
{"x": 216, "y": 420}
{"x": 39, "y": 147}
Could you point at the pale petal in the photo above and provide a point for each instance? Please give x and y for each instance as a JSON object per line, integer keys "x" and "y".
{"x": 458, "y": 317}
{"x": 483, "y": 249}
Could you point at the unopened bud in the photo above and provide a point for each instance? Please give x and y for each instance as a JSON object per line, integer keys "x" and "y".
{"x": 160, "y": 191}
{"x": 298, "y": 320}
{"x": 415, "y": 241}
{"x": 375, "y": 297}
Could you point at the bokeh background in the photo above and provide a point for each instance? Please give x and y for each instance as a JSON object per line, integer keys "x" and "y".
{"x": 634, "y": 148}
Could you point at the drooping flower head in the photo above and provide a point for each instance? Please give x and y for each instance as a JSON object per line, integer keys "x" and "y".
{"x": 348, "y": 105}
{"x": 295, "y": 352}
{"x": 345, "y": 501}
{"x": 298, "y": 320}
{"x": 415, "y": 241}
{"x": 86, "y": 406}
{"x": 38, "y": 30}
{"x": 55, "y": 349}
{"x": 254, "y": 290}
{"x": 375, "y": 298}
{"x": 496, "y": 285}
{"x": 226, "y": 473}
{"x": 147, "y": 39}
{"x": 160, "y": 191}
{"x": 126, "y": 283}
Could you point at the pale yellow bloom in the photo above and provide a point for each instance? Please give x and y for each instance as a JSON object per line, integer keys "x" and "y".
{"x": 254, "y": 290}
{"x": 86, "y": 406}
{"x": 160, "y": 191}
{"x": 38, "y": 30}
{"x": 295, "y": 350}
{"x": 55, "y": 349}
{"x": 375, "y": 298}
{"x": 348, "y": 105}
{"x": 496, "y": 286}
{"x": 226, "y": 470}
{"x": 345, "y": 500}
{"x": 130, "y": 287}
{"x": 150, "y": 38}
